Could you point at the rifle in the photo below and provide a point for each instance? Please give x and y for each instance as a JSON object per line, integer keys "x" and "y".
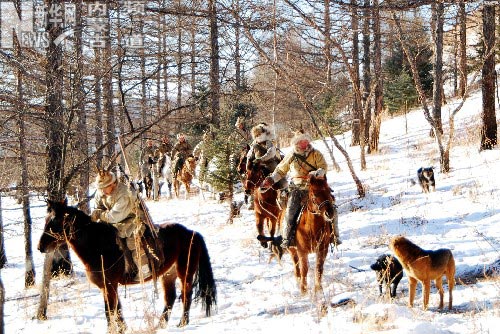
{"x": 142, "y": 204}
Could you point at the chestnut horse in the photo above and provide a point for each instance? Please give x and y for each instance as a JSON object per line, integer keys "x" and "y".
{"x": 185, "y": 176}
{"x": 266, "y": 207}
{"x": 185, "y": 257}
{"x": 313, "y": 231}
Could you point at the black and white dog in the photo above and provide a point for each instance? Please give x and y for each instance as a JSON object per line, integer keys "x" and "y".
{"x": 426, "y": 179}
{"x": 389, "y": 271}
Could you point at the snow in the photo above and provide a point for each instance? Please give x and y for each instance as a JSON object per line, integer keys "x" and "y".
{"x": 259, "y": 295}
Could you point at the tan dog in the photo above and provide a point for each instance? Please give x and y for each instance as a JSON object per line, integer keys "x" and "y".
{"x": 425, "y": 265}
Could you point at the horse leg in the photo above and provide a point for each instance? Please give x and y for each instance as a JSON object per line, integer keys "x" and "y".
{"x": 260, "y": 229}
{"x": 304, "y": 268}
{"x": 295, "y": 259}
{"x": 188, "y": 189}
{"x": 186, "y": 273}
{"x": 176, "y": 188}
{"x": 113, "y": 309}
{"x": 169, "y": 294}
{"x": 320, "y": 262}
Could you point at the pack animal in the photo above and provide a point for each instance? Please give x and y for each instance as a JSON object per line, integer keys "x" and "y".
{"x": 185, "y": 257}
{"x": 389, "y": 273}
{"x": 426, "y": 179}
{"x": 423, "y": 266}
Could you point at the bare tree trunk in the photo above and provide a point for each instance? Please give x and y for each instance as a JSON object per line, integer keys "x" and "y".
{"x": 366, "y": 72}
{"x": 214, "y": 63}
{"x": 327, "y": 49}
{"x": 99, "y": 139}
{"x": 379, "y": 87}
{"x": 144, "y": 98}
{"x": 489, "y": 129}
{"x": 179, "y": 58}
{"x": 356, "y": 107}
{"x": 108, "y": 93}
{"x": 438, "y": 64}
{"x": 82, "y": 143}
{"x": 3, "y": 255}
{"x": 237, "y": 56}
{"x": 54, "y": 120}
{"x": 2, "y": 303}
{"x": 462, "y": 67}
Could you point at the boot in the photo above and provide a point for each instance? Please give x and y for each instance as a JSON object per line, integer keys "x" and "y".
{"x": 335, "y": 236}
{"x": 130, "y": 266}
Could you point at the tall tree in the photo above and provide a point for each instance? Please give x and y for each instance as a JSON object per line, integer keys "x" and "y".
{"x": 378, "y": 77}
{"x": 59, "y": 260}
{"x": 489, "y": 128}
{"x": 367, "y": 15}
{"x": 462, "y": 54}
{"x": 357, "y": 112}
{"x": 29, "y": 275}
{"x": 438, "y": 18}
{"x": 81, "y": 140}
{"x": 214, "y": 63}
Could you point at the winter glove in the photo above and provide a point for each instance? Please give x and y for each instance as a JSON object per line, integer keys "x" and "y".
{"x": 268, "y": 182}
{"x": 96, "y": 214}
{"x": 318, "y": 173}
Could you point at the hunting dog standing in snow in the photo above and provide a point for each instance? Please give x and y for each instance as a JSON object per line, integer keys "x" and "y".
{"x": 425, "y": 265}
{"x": 426, "y": 179}
{"x": 389, "y": 271}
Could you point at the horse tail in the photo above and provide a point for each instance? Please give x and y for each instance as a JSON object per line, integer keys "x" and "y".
{"x": 207, "y": 290}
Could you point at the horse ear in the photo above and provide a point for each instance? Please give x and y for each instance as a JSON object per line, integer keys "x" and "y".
{"x": 65, "y": 201}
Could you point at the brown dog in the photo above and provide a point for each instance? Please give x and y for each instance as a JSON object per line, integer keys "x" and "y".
{"x": 425, "y": 265}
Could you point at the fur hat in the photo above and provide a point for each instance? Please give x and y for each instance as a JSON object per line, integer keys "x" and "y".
{"x": 300, "y": 137}
{"x": 104, "y": 178}
{"x": 261, "y": 132}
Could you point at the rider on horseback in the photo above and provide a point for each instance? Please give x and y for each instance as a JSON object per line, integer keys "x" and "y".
{"x": 263, "y": 151}
{"x": 115, "y": 205}
{"x": 301, "y": 161}
{"x": 180, "y": 152}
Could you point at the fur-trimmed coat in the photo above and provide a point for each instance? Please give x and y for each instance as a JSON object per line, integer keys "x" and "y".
{"x": 118, "y": 209}
{"x": 298, "y": 169}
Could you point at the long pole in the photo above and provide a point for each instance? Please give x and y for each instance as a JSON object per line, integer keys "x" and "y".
{"x": 142, "y": 204}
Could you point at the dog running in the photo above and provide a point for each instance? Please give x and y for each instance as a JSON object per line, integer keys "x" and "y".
{"x": 426, "y": 179}
{"x": 425, "y": 265}
{"x": 389, "y": 272}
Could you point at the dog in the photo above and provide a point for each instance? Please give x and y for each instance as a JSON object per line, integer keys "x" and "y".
{"x": 389, "y": 271}
{"x": 426, "y": 179}
{"x": 425, "y": 265}
{"x": 236, "y": 208}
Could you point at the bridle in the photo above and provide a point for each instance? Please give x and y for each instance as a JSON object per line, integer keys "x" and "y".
{"x": 314, "y": 207}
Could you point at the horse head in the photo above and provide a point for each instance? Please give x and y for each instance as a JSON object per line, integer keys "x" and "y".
{"x": 254, "y": 177}
{"x": 54, "y": 232}
{"x": 321, "y": 200}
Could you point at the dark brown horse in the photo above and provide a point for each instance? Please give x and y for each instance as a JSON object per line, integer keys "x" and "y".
{"x": 185, "y": 176}
{"x": 266, "y": 207}
{"x": 185, "y": 257}
{"x": 313, "y": 231}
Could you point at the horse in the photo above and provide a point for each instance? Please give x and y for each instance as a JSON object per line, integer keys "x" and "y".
{"x": 185, "y": 257}
{"x": 185, "y": 176}
{"x": 313, "y": 231}
{"x": 165, "y": 172}
{"x": 266, "y": 206}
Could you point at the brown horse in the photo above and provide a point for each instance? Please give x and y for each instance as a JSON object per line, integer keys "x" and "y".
{"x": 185, "y": 176}
{"x": 266, "y": 207}
{"x": 185, "y": 257}
{"x": 313, "y": 231}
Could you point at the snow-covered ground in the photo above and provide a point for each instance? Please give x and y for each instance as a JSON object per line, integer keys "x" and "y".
{"x": 258, "y": 296}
